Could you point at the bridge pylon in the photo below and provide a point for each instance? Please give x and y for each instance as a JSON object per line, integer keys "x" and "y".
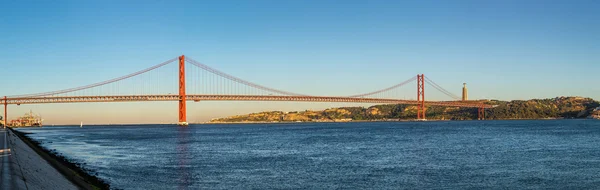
{"x": 421, "y": 97}
{"x": 182, "y": 95}
{"x": 481, "y": 112}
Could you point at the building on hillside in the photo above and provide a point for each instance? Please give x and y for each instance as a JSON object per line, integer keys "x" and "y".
{"x": 595, "y": 114}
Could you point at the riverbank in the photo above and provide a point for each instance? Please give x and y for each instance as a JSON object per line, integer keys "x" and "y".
{"x": 23, "y": 168}
{"x": 390, "y": 120}
{"x": 322, "y": 121}
{"x": 34, "y": 155}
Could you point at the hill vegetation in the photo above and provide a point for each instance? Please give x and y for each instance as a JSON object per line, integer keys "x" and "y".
{"x": 554, "y": 108}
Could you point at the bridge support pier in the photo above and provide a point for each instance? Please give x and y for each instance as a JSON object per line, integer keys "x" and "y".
{"x": 182, "y": 95}
{"x": 5, "y": 112}
{"x": 481, "y": 113}
{"x": 421, "y": 97}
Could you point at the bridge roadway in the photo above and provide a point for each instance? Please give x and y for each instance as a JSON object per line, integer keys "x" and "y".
{"x": 138, "y": 98}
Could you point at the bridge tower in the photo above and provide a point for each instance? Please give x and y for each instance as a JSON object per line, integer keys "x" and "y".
{"x": 421, "y": 96}
{"x": 182, "y": 95}
{"x": 481, "y": 112}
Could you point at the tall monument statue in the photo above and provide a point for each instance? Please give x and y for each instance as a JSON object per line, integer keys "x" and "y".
{"x": 465, "y": 95}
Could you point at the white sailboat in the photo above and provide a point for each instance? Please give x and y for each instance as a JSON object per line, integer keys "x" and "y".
{"x": 81, "y": 126}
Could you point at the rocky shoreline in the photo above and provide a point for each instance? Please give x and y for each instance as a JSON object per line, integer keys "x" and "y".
{"x": 71, "y": 170}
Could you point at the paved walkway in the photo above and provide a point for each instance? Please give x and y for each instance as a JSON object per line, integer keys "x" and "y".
{"x": 22, "y": 168}
{"x": 10, "y": 173}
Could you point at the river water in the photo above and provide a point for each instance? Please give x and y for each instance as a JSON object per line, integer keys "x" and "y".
{"x": 556, "y": 154}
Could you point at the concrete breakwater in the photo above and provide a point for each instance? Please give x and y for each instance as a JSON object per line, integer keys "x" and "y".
{"x": 39, "y": 168}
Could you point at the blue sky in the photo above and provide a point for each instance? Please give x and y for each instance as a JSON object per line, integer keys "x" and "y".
{"x": 502, "y": 49}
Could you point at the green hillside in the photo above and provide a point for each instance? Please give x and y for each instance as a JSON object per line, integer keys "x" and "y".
{"x": 554, "y": 108}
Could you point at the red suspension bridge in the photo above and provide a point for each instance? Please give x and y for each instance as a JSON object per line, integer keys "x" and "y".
{"x": 213, "y": 85}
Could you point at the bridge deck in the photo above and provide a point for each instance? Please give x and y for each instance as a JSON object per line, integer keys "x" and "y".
{"x": 138, "y": 98}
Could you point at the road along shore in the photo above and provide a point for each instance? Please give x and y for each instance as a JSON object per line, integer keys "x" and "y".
{"x": 44, "y": 170}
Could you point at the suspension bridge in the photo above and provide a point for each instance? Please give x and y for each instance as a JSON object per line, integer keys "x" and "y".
{"x": 208, "y": 84}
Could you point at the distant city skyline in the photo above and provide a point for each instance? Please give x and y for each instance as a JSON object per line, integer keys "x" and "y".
{"x": 502, "y": 49}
